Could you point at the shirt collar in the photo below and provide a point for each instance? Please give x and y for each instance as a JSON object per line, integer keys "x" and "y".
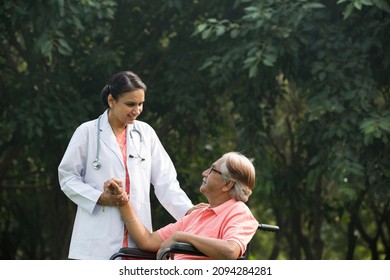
{"x": 220, "y": 208}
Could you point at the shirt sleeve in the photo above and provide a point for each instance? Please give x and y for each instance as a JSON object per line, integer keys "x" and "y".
{"x": 240, "y": 228}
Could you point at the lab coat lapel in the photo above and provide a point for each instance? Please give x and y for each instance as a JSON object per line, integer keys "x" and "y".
{"x": 108, "y": 138}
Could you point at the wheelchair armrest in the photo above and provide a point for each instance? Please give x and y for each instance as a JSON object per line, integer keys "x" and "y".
{"x": 180, "y": 248}
{"x": 133, "y": 253}
{"x": 266, "y": 227}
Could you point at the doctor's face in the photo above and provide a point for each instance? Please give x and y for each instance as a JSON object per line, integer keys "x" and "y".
{"x": 127, "y": 107}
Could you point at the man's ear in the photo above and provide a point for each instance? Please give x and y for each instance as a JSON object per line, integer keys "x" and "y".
{"x": 228, "y": 186}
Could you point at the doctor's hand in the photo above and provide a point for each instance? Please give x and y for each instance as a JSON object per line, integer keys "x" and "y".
{"x": 114, "y": 186}
{"x": 114, "y": 194}
{"x": 197, "y": 206}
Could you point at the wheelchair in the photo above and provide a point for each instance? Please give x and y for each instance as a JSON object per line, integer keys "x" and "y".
{"x": 178, "y": 248}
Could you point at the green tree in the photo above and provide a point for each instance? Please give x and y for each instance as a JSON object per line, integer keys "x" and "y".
{"x": 300, "y": 86}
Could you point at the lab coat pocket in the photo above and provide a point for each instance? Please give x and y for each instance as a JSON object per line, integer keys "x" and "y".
{"x": 95, "y": 225}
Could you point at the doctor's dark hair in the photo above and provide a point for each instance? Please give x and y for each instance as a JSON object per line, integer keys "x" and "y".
{"x": 121, "y": 82}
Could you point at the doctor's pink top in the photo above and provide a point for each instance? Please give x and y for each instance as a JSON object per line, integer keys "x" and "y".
{"x": 231, "y": 220}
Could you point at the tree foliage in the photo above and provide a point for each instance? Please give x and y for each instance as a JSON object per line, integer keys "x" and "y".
{"x": 299, "y": 86}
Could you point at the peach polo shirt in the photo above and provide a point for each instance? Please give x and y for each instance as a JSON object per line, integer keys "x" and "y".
{"x": 231, "y": 220}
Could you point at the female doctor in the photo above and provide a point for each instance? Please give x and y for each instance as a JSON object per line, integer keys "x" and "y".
{"x": 116, "y": 145}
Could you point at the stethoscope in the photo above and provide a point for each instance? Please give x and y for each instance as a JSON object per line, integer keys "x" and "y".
{"x": 96, "y": 164}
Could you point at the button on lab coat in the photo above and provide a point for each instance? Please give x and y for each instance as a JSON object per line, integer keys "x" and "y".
{"x": 98, "y": 230}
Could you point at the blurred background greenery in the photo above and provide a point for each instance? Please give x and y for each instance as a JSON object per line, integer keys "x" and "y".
{"x": 300, "y": 86}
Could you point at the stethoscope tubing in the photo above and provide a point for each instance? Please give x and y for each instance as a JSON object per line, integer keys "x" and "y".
{"x": 96, "y": 164}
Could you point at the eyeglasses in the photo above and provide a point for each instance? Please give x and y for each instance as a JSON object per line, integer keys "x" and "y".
{"x": 212, "y": 168}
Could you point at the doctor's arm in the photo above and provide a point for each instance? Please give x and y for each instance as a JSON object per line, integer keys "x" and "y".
{"x": 71, "y": 172}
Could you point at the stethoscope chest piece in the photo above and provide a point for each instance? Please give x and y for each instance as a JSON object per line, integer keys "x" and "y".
{"x": 96, "y": 164}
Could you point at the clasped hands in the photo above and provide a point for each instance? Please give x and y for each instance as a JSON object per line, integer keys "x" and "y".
{"x": 114, "y": 193}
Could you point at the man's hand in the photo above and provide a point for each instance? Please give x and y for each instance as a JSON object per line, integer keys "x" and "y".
{"x": 114, "y": 193}
{"x": 167, "y": 244}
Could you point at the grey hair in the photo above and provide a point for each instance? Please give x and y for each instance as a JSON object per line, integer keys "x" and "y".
{"x": 240, "y": 170}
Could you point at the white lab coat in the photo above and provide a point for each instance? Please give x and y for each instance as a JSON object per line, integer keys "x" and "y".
{"x": 98, "y": 231}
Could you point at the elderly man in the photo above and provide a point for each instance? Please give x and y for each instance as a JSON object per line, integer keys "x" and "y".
{"x": 220, "y": 229}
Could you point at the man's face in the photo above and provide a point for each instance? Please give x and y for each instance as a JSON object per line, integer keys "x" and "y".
{"x": 212, "y": 180}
